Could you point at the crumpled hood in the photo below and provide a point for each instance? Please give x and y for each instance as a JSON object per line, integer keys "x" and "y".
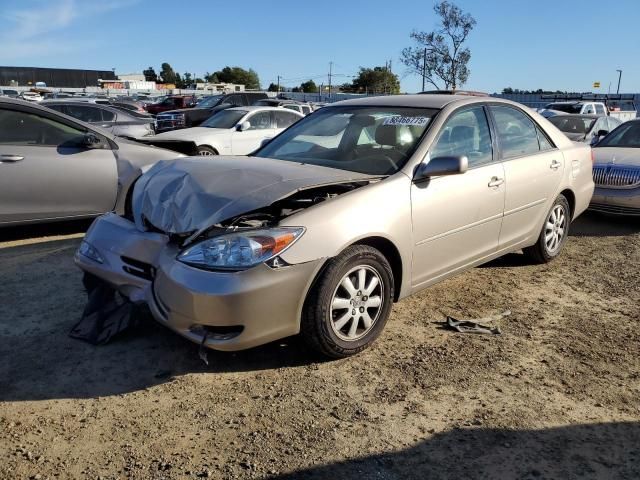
{"x": 191, "y": 194}
{"x": 616, "y": 155}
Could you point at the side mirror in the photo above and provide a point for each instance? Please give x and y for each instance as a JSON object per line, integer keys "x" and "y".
{"x": 241, "y": 127}
{"x": 441, "y": 166}
{"x": 90, "y": 140}
{"x": 602, "y": 133}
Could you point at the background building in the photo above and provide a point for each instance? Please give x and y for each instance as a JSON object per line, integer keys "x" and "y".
{"x": 54, "y": 77}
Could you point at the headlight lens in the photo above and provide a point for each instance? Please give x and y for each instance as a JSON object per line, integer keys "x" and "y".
{"x": 240, "y": 250}
{"x": 89, "y": 251}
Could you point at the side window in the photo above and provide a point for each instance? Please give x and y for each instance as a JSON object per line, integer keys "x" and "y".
{"x": 466, "y": 133}
{"x": 20, "y": 128}
{"x": 588, "y": 109}
{"x": 292, "y": 107}
{"x": 516, "y": 132}
{"x": 599, "y": 109}
{"x": 613, "y": 123}
{"x": 284, "y": 119}
{"x": 260, "y": 121}
{"x": 108, "y": 116}
{"x": 543, "y": 140}
{"x": 85, "y": 113}
{"x": 306, "y": 110}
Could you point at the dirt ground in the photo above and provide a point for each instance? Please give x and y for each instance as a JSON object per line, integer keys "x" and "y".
{"x": 557, "y": 395}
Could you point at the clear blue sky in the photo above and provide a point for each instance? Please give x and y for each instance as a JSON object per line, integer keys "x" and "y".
{"x": 549, "y": 44}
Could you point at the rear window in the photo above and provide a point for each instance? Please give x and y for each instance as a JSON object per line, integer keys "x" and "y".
{"x": 565, "y": 107}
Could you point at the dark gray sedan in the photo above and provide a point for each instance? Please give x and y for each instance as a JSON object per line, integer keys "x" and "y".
{"x": 114, "y": 120}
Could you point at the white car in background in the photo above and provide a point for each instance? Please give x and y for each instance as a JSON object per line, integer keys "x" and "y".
{"x": 236, "y": 131}
{"x": 31, "y": 96}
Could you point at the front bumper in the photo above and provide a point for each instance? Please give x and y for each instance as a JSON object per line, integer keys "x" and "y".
{"x": 253, "y": 307}
{"x": 621, "y": 201}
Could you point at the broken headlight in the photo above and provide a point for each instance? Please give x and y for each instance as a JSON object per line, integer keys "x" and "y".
{"x": 240, "y": 250}
{"x": 89, "y": 251}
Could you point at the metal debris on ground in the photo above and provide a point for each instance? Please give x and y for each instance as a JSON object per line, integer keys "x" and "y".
{"x": 480, "y": 325}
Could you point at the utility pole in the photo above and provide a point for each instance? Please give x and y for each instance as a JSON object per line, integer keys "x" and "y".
{"x": 619, "y": 78}
{"x": 330, "y": 73}
{"x": 424, "y": 68}
{"x": 278, "y": 83}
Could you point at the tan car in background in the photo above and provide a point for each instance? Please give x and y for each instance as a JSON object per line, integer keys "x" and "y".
{"x": 356, "y": 206}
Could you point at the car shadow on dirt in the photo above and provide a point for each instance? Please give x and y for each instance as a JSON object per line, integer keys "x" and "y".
{"x": 42, "y": 298}
{"x": 593, "y": 451}
{"x": 44, "y": 230}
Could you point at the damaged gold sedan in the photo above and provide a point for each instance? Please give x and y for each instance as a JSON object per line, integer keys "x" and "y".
{"x": 354, "y": 207}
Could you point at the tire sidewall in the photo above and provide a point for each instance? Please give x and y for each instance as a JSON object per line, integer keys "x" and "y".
{"x": 323, "y": 309}
{"x": 561, "y": 200}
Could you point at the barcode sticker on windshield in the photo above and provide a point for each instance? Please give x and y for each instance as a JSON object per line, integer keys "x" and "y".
{"x": 413, "y": 121}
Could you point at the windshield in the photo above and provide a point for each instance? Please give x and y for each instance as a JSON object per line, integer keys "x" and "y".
{"x": 208, "y": 102}
{"x": 370, "y": 140}
{"x": 626, "y": 135}
{"x": 565, "y": 107}
{"x": 573, "y": 124}
{"x": 224, "y": 119}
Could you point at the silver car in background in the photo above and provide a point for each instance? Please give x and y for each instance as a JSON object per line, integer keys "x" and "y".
{"x": 584, "y": 128}
{"x": 616, "y": 171}
{"x": 114, "y": 120}
{"x": 53, "y": 167}
{"x": 356, "y": 206}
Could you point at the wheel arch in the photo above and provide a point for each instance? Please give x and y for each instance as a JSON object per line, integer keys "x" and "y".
{"x": 571, "y": 198}
{"x": 392, "y": 254}
{"x": 211, "y": 147}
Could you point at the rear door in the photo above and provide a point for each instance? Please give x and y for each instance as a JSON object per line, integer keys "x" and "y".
{"x": 533, "y": 170}
{"x": 45, "y": 172}
{"x": 243, "y": 143}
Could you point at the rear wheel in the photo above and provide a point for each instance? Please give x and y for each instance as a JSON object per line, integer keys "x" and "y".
{"x": 554, "y": 233}
{"x": 205, "y": 151}
{"x": 349, "y": 305}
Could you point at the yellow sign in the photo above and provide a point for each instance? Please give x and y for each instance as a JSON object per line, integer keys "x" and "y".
{"x": 596, "y": 84}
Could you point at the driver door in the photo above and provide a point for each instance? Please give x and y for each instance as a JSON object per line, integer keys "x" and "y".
{"x": 46, "y": 173}
{"x": 457, "y": 218}
{"x": 245, "y": 142}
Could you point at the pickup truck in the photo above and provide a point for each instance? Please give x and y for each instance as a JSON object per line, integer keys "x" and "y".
{"x": 192, "y": 117}
{"x": 171, "y": 103}
{"x": 590, "y": 108}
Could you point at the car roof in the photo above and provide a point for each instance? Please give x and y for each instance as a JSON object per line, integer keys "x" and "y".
{"x": 5, "y": 101}
{"x": 253, "y": 108}
{"x": 573, "y": 115}
{"x": 436, "y": 101}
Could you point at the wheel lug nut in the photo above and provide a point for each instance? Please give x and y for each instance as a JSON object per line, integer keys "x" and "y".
{"x": 361, "y": 309}
{"x": 365, "y": 298}
{"x": 353, "y": 312}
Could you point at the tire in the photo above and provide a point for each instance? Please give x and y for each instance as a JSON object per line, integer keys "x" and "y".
{"x": 556, "y": 226}
{"x": 329, "y": 303}
{"x": 205, "y": 151}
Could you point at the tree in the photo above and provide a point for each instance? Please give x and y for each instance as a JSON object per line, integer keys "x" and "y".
{"x": 273, "y": 87}
{"x": 167, "y": 74}
{"x": 248, "y": 78}
{"x": 309, "y": 87}
{"x": 187, "y": 80}
{"x": 150, "y": 75}
{"x": 440, "y": 58}
{"x": 376, "y": 80}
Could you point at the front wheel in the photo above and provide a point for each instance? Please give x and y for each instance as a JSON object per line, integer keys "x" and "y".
{"x": 205, "y": 151}
{"x": 554, "y": 233}
{"x": 349, "y": 305}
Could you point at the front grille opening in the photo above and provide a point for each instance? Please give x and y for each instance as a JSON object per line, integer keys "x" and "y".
{"x": 138, "y": 269}
{"x": 217, "y": 332}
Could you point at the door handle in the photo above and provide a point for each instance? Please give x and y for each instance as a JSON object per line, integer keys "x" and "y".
{"x": 555, "y": 165}
{"x": 10, "y": 158}
{"x": 496, "y": 182}
{"x": 105, "y": 125}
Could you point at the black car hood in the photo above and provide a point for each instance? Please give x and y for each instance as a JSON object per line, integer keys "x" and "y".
{"x": 192, "y": 194}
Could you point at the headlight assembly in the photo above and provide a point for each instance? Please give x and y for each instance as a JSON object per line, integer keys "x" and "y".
{"x": 240, "y": 250}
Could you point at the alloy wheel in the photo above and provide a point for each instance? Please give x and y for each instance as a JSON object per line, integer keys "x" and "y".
{"x": 356, "y": 303}
{"x": 555, "y": 229}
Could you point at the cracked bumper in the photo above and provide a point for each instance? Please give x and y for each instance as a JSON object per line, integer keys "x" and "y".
{"x": 260, "y": 304}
